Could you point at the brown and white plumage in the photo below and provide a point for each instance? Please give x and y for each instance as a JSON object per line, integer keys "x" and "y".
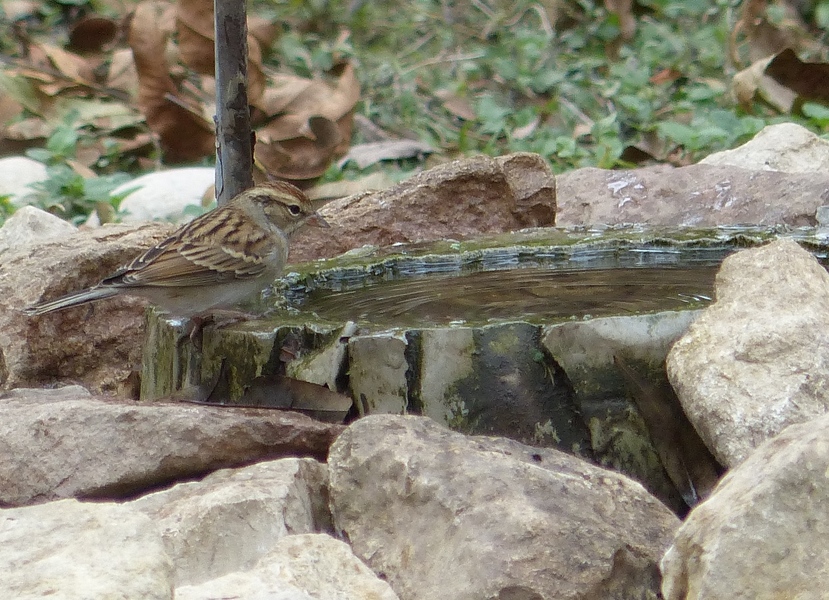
{"x": 216, "y": 260}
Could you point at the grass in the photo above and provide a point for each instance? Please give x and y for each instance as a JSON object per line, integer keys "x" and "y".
{"x": 493, "y": 77}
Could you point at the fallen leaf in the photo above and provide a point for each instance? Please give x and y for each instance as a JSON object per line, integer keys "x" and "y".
{"x": 366, "y": 155}
{"x": 92, "y": 33}
{"x": 183, "y": 135}
{"x": 456, "y": 105}
{"x": 196, "y": 43}
{"x": 753, "y": 84}
{"x": 806, "y": 79}
{"x": 311, "y": 124}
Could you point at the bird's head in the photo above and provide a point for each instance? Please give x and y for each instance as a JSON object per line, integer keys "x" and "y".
{"x": 284, "y": 205}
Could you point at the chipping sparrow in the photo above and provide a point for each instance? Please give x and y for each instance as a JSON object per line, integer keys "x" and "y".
{"x": 215, "y": 261}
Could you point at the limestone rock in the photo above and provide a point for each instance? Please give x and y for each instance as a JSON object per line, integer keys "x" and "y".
{"x": 456, "y": 200}
{"x": 696, "y": 195}
{"x": 442, "y": 515}
{"x": 69, "y": 445}
{"x": 786, "y": 147}
{"x": 762, "y": 534}
{"x": 31, "y": 225}
{"x": 230, "y": 519}
{"x": 70, "y": 550}
{"x": 300, "y": 567}
{"x": 97, "y": 345}
{"x": 165, "y": 194}
{"x": 17, "y": 174}
{"x": 756, "y": 360}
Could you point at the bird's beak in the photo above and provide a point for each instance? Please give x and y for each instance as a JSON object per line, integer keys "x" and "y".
{"x": 316, "y": 220}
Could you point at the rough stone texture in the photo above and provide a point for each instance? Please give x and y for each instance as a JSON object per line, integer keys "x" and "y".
{"x": 786, "y": 147}
{"x": 58, "y": 445}
{"x": 31, "y": 225}
{"x": 97, "y": 345}
{"x": 697, "y": 195}
{"x": 442, "y": 515}
{"x": 70, "y": 550}
{"x": 227, "y": 521}
{"x": 756, "y": 360}
{"x": 585, "y": 350}
{"x": 456, "y": 200}
{"x": 300, "y": 567}
{"x": 377, "y": 372}
{"x": 762, "y": 534}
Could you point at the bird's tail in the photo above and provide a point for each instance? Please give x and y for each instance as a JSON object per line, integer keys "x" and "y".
{"x": 90, "y": 295}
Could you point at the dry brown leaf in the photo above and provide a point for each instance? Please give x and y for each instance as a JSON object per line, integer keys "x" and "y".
{"x": 10, "y": 109}
{"x": 665, "y": 76}
{"x": 313, "y": 124}
{"x": 81, "y": 169}
{"x": 32, "y": 128}
{"x": 92, "y": 33}
{"x": 195, "y": 22}
{"x": 74, "y": 67}
{"x": 752, "y": 84}
{"x": 366, "y": 155}
{"x": 807, "y": 80}
{"x": 299, "y": 99}
{"x": 283, "y": 90}
{"x": 183, "y": 135}
{"x": 460, "y": 107}
{"x": 305, "y": 156}
{"x": 762, "y": 37}
{"x": 122, "y": 73}
{"x": 263, "y": 31}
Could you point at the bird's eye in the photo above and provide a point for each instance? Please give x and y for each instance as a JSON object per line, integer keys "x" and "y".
{"x": 295, "y": 209}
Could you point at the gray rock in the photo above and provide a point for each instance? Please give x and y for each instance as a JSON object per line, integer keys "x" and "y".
{"x": 300, "y": 567}
{"x": 17, "y": 174}
{"x": 165, "y": 194}
{"x": 30, "y": 225}
{"x": 65, "y": 446}
{"x": 70, "y": 550}
{"x": 456, "y": 200}
{"x": 378, "y": 372}
{"x": 442, "y": 515}
{"x": 786, "y": 147}
{"x": 585, "y": 351}
{"x": 756, "y": 360}
{"x": 97, "y": 345}
{"x": 696, "y": 195}
{"x": 762, "y": 534}
{"x": 232, "y": 518}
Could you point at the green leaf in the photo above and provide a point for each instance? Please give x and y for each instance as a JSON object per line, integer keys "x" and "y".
{"x": 492, "y": 115}
{"x": 40, "y": 155}
{"x": 677, "y": 132}
{"x": 817, "y": 113}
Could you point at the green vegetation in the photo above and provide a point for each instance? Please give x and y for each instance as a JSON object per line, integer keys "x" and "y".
{"x": 67, "y": 193}
{"x": 566, "y": 90}
{"x": 491, "y": 76}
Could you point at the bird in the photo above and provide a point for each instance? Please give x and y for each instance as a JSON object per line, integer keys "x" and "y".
{"x": 214, "y": 261}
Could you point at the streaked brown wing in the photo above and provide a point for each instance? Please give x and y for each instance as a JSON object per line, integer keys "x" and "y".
{"x": 192, "y": 257}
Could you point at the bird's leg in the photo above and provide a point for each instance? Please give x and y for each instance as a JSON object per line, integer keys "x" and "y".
{"x": 217, "y": 318}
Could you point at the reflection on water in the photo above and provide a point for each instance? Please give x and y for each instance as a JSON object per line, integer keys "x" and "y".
{"x": 534, "y": 293}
